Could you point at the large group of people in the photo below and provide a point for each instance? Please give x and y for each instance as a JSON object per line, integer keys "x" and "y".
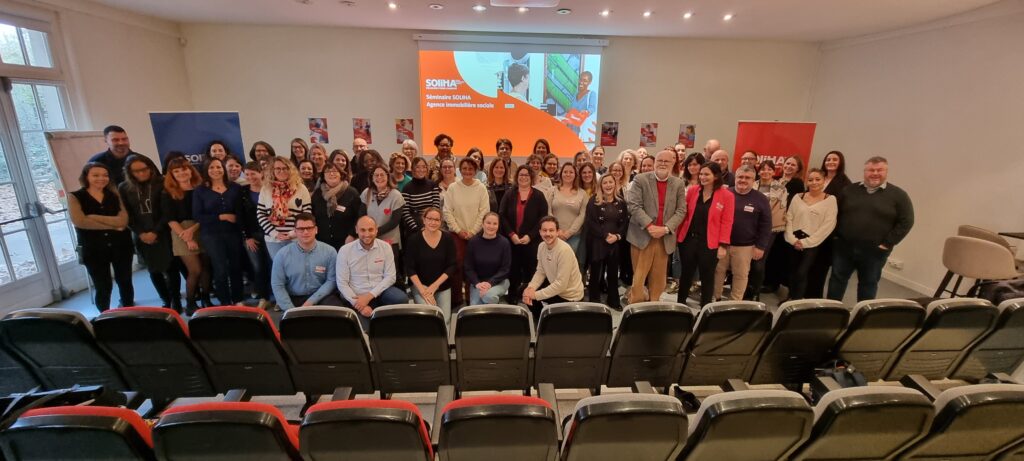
{"x": 319, "y": 228}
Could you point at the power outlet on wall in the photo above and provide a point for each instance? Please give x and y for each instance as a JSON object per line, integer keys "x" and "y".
{"x": 896, "y": 264}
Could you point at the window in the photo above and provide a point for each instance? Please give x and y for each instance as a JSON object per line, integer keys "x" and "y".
{"x": 21, "y": 46}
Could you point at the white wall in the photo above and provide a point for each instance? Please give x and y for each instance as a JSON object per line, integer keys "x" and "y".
{"x": 945, "y": 106}
{"x": 277, "y": 76}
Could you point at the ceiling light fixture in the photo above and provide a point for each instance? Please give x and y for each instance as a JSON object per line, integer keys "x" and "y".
{"x": 563, "y": 11}
{"x": 687, "y": 15}
{"x": 436, "y": 6}
{"x": 605, "y": 13}
{"x": 647, "y": 14}
{"x": 392, "y": 5}
{"x": 727, "y": 17}
{"x": 479, "y": 8}
{"x": 523, "y": 9}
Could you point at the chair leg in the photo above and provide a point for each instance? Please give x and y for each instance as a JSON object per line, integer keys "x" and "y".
{"x": 943, "y": 284}
{"x": 956, "y": 286}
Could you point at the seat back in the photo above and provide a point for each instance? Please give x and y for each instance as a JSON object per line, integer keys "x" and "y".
{"x": 15, "y": 374}
{"x": 1002, "y": 351}
{"x": 572, "y": 345}
{"x": 410, "y": 347}
{"x": 879, "y": 330}
{"x": 967, "y": 230}
{"x": 973, "y": 422}
{"x": 498, "y": 428}
{"x": 77, "y": 432}
{"x": 153, "y": 346}
{"x": 951, "y": 328}
{"x": 365, "y": 430}
{"x": 724, "y": 426}
{"x": 803, "y": 334}
{"x": 492, "y": 347}
{"x": 326, "y": 349}
{"x": 225, "y": 431}
{"x": 867, "y": 422}
{"x": 978, "y": 259}
{"x": 649, "y": 344}
{"x": 60, "y": 348}
{"x": 726, "y": 340}
{"x": 625, "y": 426}
{"x": 244, "y": 350}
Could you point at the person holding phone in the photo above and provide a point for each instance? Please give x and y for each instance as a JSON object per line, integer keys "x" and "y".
{"x": 810, "y": 220}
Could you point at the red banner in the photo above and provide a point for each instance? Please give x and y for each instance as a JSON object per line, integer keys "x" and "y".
{"x": 775, "y": 141}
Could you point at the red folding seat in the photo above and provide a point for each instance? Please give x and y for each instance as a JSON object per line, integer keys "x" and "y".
{"x": 78, "y": 433}
{"x": 365, "y": 430}
{"x": 498, "y": 428}
{"x": 225, "y": 431}
{"x": 244, "y": 350}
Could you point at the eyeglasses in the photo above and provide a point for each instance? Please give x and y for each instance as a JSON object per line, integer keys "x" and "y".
{"x": 305, "y": 228}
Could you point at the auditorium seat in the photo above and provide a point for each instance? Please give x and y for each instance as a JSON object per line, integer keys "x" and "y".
{"x": 802, "y": 336}
{"x": 951, "y": 328}
{"x": 879, "y": 330}
{"x": 492, "y": 347}
{"x": 572, "y": 345}
{"x": 225, "y": 431}
{"x": 326, "y": 349}
{"x": 244, "y": 350}
{"x": 973, "y": 422}
{"x": 365, "y": 430}
{"x": 15, "y": 374}
{"x": 638, "y": 427}
{"x": 60, "y": 348}
{"x": 750, "y": 425}
{"x": 153, "y": 347}
{"x": 649, "y": 344}
{"x": 78, "y": 433}
{"x": 867, "y": 422}
{"x": 410, "y": 348}
{"x": 1002, "y": 351}
{"x": 726, "y": 339}
{"x": 498, "y": 428}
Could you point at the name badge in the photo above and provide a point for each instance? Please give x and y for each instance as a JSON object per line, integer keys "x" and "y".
{"x": 748, "y": 208}
{"x": 378, "y": 261}
{"x": 340, "y": 208}
{"x": 320, "y": 269}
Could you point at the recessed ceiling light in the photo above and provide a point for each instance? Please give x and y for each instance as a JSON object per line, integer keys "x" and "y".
{"x": 605, "y": 13}
{"x": 687, "y": 15}
{"x": 647, "y": 14}
{"x": 392, "y": 5}
{"x": 479, "y": 8}
{"x": 563, "y": 11}
{"x": 523, "y": 9}
{"x": 727, "y": 17}
{"x": 304, "y": 2}
{"x": 436, "y": 6}
{"x": 348, "y": 3}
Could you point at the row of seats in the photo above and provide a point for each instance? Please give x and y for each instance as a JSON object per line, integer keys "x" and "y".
{"x": 863, "y": 423}
{"x": 495, "y": 347}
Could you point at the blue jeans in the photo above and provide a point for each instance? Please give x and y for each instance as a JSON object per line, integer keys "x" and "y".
{"x": 388, "y": 297}
{"x": 261, "y": 263}
{"x": 273, "y": 246}
{"x": 866, "y": 260}
{"x": 492, "y": 296}
{"x": 444, "y": 302}
{"x": 225, "y": 252}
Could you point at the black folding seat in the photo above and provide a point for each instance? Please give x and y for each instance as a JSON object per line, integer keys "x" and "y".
{"x": 365, "y": 430}
{"x": 15, "y": 375}
{"x": 327, "y": 349}
{"x": 951, "y": 328}
{"x": 572, "y": 345}
{"x": 727, "y": 337}
{"x": 492, "y": 347}
{"x": 612, "y": 427}
{"x": 976, "y": 422}
{"x": 1002, "y": 351}
{"x": 60, "y": 348}
{"x": 153, "y": 347}
{"x": 410, "y": 348}
{"x": 879, "y": 330}
{"x": 225, "y": 431}
{"x": 498, "y": 428}
{"x": 751, "y": 425}
{"x": 803, "y": 334}
{"x": 649, "y": 344}
{"x": 866, "y": 422}
{"x": 78, "y": 433}
{"x": 244, "y": 350}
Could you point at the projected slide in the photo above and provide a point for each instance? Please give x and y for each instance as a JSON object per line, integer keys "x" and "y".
{"x": 478, "y": 97}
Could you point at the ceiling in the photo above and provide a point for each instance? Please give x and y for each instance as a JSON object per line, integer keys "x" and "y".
{"x": 800, "y": 20}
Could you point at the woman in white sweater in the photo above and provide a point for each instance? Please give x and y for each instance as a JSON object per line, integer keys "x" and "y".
{"x": 281, "y": 198}
{"x": 569, "y": 206}
{"x": 809, "y": 221}
{"x": 465, "y": 203}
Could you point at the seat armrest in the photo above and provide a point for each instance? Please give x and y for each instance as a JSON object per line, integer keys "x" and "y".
{"x": 546, "y": 391}
{"x": 445, "y": 395}
{"x": 922, "y": 384}
{"x": 237, "y": 395}
{"x": 342, "y": 393}
{"x": 643, "y": 387}
{"x": 734, "y": 384}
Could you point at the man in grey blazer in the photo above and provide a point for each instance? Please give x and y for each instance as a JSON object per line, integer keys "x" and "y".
{"x": 657, "y": 206}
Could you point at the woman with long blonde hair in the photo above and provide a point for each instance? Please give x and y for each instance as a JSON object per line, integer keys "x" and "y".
{"x": 283, "y": 196}
{"x": 607, "y": 219}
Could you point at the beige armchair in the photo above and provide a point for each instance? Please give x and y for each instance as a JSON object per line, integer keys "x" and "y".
{"x": 974, "y": 258}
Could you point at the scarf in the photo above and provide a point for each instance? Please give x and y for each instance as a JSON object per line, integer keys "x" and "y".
{"x": 331, "y": 195}
{"x": 281, "y": 194}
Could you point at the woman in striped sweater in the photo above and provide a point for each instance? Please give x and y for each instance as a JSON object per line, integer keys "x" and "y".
{"x": 283, "y": 197}
{"x": 420, "y": 193}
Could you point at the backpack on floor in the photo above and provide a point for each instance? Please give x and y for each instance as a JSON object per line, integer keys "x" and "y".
{"x": 1000, "y": 291}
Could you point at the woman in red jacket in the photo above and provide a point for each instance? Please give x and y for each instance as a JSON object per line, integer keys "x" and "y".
{"x": 704, "y": 234}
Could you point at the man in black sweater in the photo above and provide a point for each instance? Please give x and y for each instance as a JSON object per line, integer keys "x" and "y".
{"x": 874, "y": 216}
{"x": 751, "y": 233}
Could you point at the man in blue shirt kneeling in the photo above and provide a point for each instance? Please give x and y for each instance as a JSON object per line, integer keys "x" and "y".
{"x": 304, "y": 272}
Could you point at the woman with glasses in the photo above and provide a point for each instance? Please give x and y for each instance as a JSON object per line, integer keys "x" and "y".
{"x": 140, "y": 193}
{"x": 430, "y": 263}
{"x": 283, "y": 196}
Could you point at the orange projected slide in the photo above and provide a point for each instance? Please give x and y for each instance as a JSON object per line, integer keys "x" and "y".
{"x": 478, "y": 97}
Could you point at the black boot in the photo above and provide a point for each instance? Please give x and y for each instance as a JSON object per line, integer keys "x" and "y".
{"x": 191, "y": 307}
{"x": 176, "y": 303}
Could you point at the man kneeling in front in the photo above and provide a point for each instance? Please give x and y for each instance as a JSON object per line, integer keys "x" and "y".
{"x": 303, "y": 272}
{"x": 558, "y": 276}
{"x": 366, "y": 272}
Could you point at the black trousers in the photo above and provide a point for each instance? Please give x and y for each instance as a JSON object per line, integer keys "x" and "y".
{"x": 818, "y": 274}
{"x": 524, "y": 265}
{"x": 99, "y": 271}
{"x": 608, "y": 267}
{"x": 696, "y": 255}
{"x": 167, "y": 285}
{"x": 536, "y": 306}
{"x": 757, "y": 272}
{"x": 803, "y": 263}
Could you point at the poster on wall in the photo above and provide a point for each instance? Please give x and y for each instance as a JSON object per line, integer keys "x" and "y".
{"x": 191, "y": 133}
{"x": 361, "y": 129}
{"x": 774, "y": 141}
{"x": 403, "y": 130}
{"x": 318, "y": 130}
{"x": 687, "y": 135}
{"x": 610, "y": 133}
{"x": 648, "y": 134}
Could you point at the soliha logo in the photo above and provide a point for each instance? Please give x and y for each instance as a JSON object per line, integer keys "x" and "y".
{"x": 442, "y": 84}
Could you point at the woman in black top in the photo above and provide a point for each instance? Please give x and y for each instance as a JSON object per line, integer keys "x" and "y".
{"x": 336, "y": 207}
{"x": 179, "y": 183}
{"x": 101, "y": 222}
{"x": 521, "y": 210}
{"x": 834, "y": 166}
{"x": 498, "y": 181}
{"x": 140, "y": 193}
{"x": 255, "y": 241}
{"x": 419, "y": 194}
{"x": 607, "y": 219}
{"x": 216, "y": 205}
{"x": 430, "y": 263}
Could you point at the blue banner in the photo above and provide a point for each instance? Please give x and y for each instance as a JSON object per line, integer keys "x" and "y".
{"x": 192, "y": 132}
